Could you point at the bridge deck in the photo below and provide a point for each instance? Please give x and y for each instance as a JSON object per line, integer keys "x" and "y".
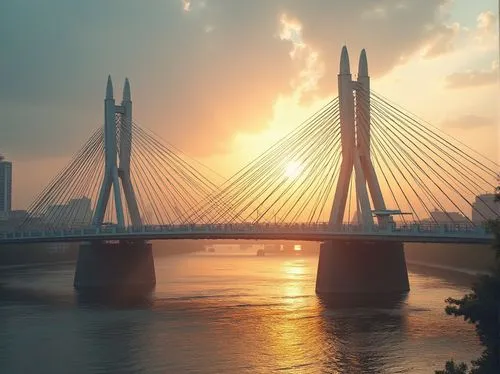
{"x": 307, "y": 232}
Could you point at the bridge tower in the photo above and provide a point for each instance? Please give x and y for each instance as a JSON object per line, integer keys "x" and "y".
{"x": 354, "y": 105}
{"x": 126, "y": 267}
{"x": 358, "y": 266}
{"x": 114, "y": 172}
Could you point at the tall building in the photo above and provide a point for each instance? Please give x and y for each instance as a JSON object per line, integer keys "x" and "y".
{"x": 485, "y": 208}
{"x": 5, "y": 188}
{"x": 77, "y": 212}
{"x": 444, "y": 217}
{"x": 81, "y": 211}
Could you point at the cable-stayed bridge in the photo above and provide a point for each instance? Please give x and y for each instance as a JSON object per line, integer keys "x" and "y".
{"x": 361, "y": 169}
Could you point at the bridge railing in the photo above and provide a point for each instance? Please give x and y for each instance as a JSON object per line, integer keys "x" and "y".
{"x": 243, "y": 228}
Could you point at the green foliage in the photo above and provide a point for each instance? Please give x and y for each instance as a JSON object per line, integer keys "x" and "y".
{"x": 452, "y": 368}
{"x": 481, "y": 307}
{"x": 494, "y": 226}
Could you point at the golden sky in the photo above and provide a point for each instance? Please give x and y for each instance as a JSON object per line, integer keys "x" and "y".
{"x": 224, "y": 80}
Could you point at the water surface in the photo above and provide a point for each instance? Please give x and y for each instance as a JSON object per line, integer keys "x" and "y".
{"x": 227, "y": 313}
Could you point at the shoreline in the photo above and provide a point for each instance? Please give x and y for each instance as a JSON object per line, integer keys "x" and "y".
{"x": 472, "y": 272}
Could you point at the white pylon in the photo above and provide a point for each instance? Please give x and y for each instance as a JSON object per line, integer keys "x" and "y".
{"x": 113, "y": 173}
{"x": 355, "y": 138}
{"x": 125, "y": 153}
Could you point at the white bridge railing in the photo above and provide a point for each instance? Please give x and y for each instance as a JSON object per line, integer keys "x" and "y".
{"x": 234, "y": 230}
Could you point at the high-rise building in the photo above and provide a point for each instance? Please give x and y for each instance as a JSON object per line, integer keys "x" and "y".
{"x": 5, "y": 188}
{"x": 77, "y": 212}
{"x": 485, "y": 208}
{"x": 445, "y": 217}
{"x": 81, "y": 211}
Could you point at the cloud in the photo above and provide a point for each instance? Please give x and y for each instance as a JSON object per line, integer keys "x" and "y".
{"x": 193, "y": 5}
{"x": 441, "y": 40}
{"x": 485, "y": 34}
{"x": 473, "y": 78}
{"x": 307, "y": 61}
{"x": 486, "y": 23}
{"x": 469, "y": 121}
{"x": 200, "y": 70}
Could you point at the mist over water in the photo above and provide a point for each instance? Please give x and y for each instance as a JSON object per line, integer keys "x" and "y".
{"x": 227, "y": 313}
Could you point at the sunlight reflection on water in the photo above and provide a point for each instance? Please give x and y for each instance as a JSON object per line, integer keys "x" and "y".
{"x": 226, "y": 314}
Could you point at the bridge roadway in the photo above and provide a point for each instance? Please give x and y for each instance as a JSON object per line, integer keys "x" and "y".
{"x": 421, "y": 233}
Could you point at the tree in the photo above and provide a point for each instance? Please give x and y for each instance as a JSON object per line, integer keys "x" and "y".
{"x": 452, "y": 368}
{"x": 482, "y": 308}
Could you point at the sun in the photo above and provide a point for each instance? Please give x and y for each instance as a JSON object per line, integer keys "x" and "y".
{"x": 293, "y": 169}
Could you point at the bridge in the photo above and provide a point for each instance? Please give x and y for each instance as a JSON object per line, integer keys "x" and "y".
{"x": 420, "y": 233}
{"x": 361, "y": 175}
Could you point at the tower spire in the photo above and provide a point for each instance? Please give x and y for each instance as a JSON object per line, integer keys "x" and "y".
{"x": 110, "y": 180}
{"x": 126, "y": 130}
{"x": 344, "y": 62}
{"x": 109, "y": 88}
{"x": 126, "y": 91}
{"x": 354, "y": 106}
{"x": 363, "y": 64}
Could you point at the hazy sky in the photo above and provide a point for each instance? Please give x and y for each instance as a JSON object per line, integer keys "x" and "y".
{"x": 222, "y": 79}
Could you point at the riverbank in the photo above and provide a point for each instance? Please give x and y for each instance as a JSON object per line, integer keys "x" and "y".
{"x": 476, "y": 259}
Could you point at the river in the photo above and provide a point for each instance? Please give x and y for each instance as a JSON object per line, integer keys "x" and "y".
{"x": 228, "y": 313}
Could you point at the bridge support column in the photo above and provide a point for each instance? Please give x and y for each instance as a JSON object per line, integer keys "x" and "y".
{"x": 123, "y": 268}
{"x": 358, "y": 267}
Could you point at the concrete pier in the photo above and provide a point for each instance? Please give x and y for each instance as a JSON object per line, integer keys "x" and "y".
{"x": 122, "y": 267}
{"x": 359, "y": 267}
